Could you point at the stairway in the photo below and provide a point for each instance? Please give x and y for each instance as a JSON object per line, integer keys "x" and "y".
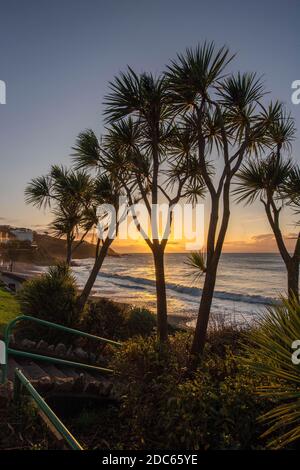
{"x": 51, "y": 379}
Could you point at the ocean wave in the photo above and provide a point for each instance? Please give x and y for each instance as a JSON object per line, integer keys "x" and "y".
{"x": 187, "y": 290}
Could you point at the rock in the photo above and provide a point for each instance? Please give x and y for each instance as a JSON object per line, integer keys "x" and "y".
{"x": 42, "y": 344}
{"x": 28, "y": 344}
{"x": 61, "y": 349}
{"x": 92, "y": 357}
{"x": 63, "y": 384}
{"x": 81, "y": 354}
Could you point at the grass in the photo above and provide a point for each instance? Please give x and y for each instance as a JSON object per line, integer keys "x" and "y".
{"x": 9, "y": 308}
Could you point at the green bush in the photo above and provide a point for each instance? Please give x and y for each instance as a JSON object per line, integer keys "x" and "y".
{"x": 117, "y": 321}
{"x": 139, "y": 321}
{"x": 51, "y": 297}
{"x": 167, "y": 408}
{"x": 104, "y": 318}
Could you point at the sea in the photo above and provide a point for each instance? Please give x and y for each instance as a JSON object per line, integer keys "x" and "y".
{"x": 246, "y": 284}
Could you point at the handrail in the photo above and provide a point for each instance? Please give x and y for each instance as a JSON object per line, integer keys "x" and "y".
{"x": 21, "y": 380}
{"x": 57, "y": 326}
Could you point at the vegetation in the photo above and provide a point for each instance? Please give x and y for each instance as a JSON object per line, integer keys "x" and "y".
{"x": 9, "y": 308}
{"x": 216, "y": 408}
{"x": 269, "y": 354}
{"x": 117, "y": 321}
{"x": 215, "y": 389}
{"x": 51, "y": 297}
{"x": 106, "y": 192}
{"x": 69, "y": 195}
{"x": 274, "y": 181}
{"x": 22, "y": 429}
{"x": 223, "y": 114}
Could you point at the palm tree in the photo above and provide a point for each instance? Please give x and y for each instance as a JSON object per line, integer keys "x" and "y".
{"x": 271, "y": 181}
{"x": 68, "y": 194}
{"x": 107, "y": 190}
{"x": 224, "y": 117}
{"x": 142, "y": 135}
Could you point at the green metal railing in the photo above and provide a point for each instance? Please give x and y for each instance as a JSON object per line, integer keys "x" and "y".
{"x": 21, "y": 381}
{"x": 40, "y": 357}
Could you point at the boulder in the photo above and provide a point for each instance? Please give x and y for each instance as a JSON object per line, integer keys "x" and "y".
{"x": 61, "y": 349}
{"x": 42, "y": 345}
{"x": 81, "y": 354}
{"x": 28, "y": 344}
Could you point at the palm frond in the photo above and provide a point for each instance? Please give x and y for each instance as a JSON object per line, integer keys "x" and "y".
{"x": 269, "y": 353}
{"x": 192, "y": 74}
{"x": 197, "y": 262}
{"x": 38, "y": 192}
{"x": 86, "y": 150}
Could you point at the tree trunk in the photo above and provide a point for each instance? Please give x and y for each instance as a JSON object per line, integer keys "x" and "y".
{"x": 204, "y": 312}
{"x": 293, "y": 279}
{"x": 69, "y": 252}
{"x": 82, "y": 299}
{"x": 161, "y": 297}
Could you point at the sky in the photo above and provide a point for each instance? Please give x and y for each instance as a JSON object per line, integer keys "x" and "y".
{"x": 57, "y": 58}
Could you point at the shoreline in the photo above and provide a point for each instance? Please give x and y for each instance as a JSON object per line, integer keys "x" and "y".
{"x": 30, "y": 271}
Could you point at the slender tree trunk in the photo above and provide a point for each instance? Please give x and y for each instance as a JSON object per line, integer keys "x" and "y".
{"x": 293, "y": 278}
{"x": 204, "y": 312}
{"x": 82, "y": 299}
{"x": 291, "y": 262}
{"x": 69, "y": 251}
{"x": 161, "y": 297}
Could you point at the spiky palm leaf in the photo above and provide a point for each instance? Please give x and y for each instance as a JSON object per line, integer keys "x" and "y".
{"x": 38, "y": 192}
{"x": 87, "y": 150}
{"x": 194, "y": 72}
{"x": 257, "y": 178}
{"x": 197, "y": 262}
{"x": 141, "y": 96}
{"x": 269, "y": 353}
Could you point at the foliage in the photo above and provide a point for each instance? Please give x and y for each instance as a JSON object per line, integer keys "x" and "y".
{"x": 117, "y": 321}
{"x": 165, "y": 408}
{"x": 139, "y": 321}
{"x": 196, "y": 261}
{"x": 260, "y": 178}
{"x": 269, "y": 354}
{"x": 51, "y": 297}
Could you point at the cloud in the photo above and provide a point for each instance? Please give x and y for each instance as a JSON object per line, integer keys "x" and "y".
{"x": 261, "y": 243}
{"x": 263, "y": 237}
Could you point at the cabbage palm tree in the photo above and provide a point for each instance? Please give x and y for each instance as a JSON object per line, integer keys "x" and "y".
{"x": 270, "y": 181}
{"x": 107, "y": 190}
{"x": 68, "y": 194}
{"x": 142, "y": 133}
{"x": 225, "y": 118}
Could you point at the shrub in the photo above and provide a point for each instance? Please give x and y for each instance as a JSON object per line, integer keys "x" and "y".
{"x": 104, "y": 318}
{"x": 167, "y": 408}
{"x": 117, "y": 321}
{"x": 50, "y": 297}
{"x": 139, "y": 321}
